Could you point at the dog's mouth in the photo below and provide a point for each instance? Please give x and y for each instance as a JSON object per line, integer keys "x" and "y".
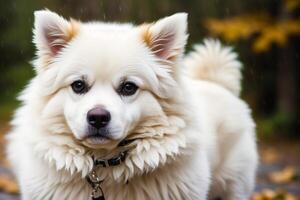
{"x": 104, "y": 138}
{"x": 100, "y": 141}
{"x": 97, "y": 139}
{"x": 98, "y": 136}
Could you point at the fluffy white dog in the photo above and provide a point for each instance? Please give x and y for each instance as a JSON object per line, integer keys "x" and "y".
{"x": 115, "y": 109}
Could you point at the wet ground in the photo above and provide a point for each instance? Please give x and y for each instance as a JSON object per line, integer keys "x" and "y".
{"x": 275, "y": 156}
{"x": 262, "y": 184}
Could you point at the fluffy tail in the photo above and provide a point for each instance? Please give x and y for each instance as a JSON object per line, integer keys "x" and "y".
{"x": 213, "y": 62}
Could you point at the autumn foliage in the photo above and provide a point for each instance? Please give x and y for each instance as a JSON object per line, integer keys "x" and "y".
{"x": 266, "y": 29}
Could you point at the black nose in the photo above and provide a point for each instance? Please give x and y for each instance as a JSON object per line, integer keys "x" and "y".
{"x": 98, "y": 117}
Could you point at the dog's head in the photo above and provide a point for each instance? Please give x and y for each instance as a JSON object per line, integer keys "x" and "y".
{"x": 102, "y": 79}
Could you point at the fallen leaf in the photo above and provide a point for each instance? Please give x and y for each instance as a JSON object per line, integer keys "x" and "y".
{"x": 279, "y": 194}
{"x": 8, "y": 185}
{"x": 291, "y": 197}
{"x": 286, "y": 175}
{"x": 270, "y": 156}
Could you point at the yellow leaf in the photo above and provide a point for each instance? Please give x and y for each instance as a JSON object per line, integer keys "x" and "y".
{"x": 269, "y": 30}
{"x": 270, "y": 155}
{"x": 278, "y": 194}
{"x": 236, "y": 28}
{"x": 291, "y": 197}
{"x": 292, "y": 5}
{"x": 8, "y": 185}
{"x": 284, "y": 176}
{"x": 268, "y": 194}
{"x": 256, "y": 196}
{"x": 269, "y": 35}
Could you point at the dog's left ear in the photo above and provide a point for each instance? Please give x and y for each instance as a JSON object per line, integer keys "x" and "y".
{"x": 167, "y": 37}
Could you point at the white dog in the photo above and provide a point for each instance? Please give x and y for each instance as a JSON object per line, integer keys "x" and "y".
{"x": 115, "y": 109}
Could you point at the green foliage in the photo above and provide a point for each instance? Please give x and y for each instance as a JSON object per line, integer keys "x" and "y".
{"x": 14, "y": 79}
{"x": 16, "y": 51}
{"x": 279, "y": 123}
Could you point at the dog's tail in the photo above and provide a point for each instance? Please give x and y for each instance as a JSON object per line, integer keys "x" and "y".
{"x": 213, "y": 62}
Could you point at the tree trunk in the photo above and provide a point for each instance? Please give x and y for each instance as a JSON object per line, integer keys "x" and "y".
{"x": 287, "y": 81}
{"x": 287, "y": 75}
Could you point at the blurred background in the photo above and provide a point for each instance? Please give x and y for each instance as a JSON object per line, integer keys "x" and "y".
{"x": 265, "y": 33}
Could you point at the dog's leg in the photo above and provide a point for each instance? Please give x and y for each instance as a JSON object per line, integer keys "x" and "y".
{"x": 240, "y": 171}
{"x": 239, "y": 190}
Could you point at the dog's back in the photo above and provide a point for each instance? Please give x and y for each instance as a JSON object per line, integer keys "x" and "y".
{"x": 216, "y": 84}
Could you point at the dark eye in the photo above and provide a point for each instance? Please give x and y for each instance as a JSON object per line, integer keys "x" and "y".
{"x": 127, "y": 89}
{"x": 79, "y": 87}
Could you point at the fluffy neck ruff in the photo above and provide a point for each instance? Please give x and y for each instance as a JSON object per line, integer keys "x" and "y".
{"x": 160, "y": 140}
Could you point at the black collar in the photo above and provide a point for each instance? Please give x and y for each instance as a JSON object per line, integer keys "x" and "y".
{"x": 94, "y": 180}
{"x": 116, "y": 160}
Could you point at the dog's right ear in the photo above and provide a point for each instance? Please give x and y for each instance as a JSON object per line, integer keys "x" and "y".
{"x": 167, "y": 37}
{"x": 52, "y": 33}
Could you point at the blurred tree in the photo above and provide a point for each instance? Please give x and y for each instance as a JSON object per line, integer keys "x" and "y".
{"x": 266, "y": 29}
{"x": 14, "y": 39}
{"x": 273, "y": 22}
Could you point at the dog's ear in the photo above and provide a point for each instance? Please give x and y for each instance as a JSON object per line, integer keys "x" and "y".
{"x": 52, "y": 32}
{"x": 167, "y": 37}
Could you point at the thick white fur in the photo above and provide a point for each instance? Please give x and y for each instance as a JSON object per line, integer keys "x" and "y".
{"x": 225, "y": 70}
{"x": 196, "y": 138}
